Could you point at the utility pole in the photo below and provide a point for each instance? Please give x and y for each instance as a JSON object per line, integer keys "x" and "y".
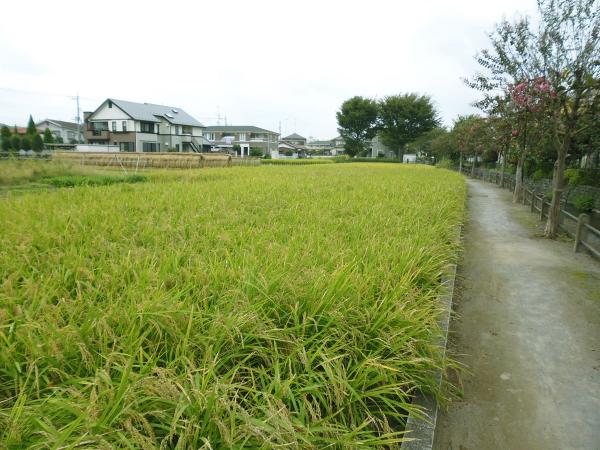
{"x": 78, "y": 118}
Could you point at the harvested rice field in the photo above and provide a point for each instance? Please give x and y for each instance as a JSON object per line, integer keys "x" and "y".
{"x": 245, "y": 307}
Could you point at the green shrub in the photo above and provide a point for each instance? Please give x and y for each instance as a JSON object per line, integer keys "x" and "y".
{"x": 256, "y": 151}
{"x": 578, "y": 177}
{"x": 540, "y": 174}
{"x": 584, "y": 203}
{"x": 444, "y": 163}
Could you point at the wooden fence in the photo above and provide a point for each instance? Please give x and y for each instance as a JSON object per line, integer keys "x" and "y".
{"x": 578, "y": 227}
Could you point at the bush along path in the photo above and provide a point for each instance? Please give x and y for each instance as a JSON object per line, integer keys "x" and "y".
{"x": 528, "y": 328}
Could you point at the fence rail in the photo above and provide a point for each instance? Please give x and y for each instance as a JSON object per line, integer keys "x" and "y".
{"x": 579, "y": 228}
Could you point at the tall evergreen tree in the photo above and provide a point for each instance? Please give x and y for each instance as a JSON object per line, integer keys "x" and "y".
{"x": 31, "y": 128}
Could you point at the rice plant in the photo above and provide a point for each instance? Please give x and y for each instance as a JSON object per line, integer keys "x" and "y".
{"x": 251, "y": 307}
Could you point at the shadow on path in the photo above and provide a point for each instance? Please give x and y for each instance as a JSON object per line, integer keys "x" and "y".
{"x": 527, "y": 325}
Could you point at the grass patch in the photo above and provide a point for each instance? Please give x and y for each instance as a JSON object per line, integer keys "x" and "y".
{"x": 256, "y": 307}
{"x": 93, "y": 180}
{"x": 295, "y": 162}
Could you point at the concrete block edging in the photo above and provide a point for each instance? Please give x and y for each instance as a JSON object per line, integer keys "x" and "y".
{"x": 421, "y": 431}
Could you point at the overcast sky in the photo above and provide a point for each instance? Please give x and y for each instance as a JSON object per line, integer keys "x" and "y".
{"x": 253, "y": 62}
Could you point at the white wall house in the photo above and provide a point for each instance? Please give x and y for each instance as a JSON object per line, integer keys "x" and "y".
{"x": 144, "y": 127}
{"x": 225, "y": 137}
{"x": 69, "y": 132}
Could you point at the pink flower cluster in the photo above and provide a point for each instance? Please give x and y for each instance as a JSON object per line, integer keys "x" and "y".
{"x": 530, "y": 94}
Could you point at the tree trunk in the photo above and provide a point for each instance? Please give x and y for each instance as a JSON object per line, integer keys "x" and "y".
{"x": 558, "y": 181}
{"x": 519, "y": 178}
{"x": 502, "y": 168}
{"x": 460, "y": 164}
{"x": 473, "y": 166}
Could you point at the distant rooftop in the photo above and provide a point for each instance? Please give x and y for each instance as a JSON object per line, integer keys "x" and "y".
{"x": 238, "y": 128}
{"x": 294, "y": 137}
{"x": 60, "y": 123}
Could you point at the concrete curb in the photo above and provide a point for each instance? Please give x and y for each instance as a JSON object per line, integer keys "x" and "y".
{"x": 420, "y": 430}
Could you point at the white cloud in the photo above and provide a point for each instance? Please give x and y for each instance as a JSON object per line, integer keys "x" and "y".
{"x": 257, "y": 62}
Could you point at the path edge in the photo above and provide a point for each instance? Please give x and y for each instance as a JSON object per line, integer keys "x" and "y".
{"x": 421, "y": 431}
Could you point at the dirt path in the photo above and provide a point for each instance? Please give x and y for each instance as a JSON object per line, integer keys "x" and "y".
{"x": 528, "y": 327}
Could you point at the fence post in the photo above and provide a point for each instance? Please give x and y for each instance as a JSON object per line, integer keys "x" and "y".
{"x": 533, "y": 200}
{"x": 581, "y": 230}
{"x": 542, "y": 208}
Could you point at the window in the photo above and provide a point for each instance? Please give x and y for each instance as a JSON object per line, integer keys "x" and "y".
{"x": 114, "y": 125}
{"x": 124, "y": 125}
{"x": 150, "y": 147}
{"x": 146, "y": 127}
{"x": 177, "y": 129}
{"x": 126, "y": 146}
{"x": 177, "y": 147}
{"x": 242, "y": 136}
{"x": 110, "y": 104}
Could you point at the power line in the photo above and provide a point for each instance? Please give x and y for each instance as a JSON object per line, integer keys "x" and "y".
{"x": 23, "y": 91}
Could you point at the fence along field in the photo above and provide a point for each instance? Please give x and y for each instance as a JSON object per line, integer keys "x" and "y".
{"x": 245, "y": 307}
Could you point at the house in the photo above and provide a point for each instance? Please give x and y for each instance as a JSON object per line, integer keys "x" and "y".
{"x": 379, "y": 150}
{"x": 319, "y": 145}
{"x": 289, "y": 150}
{"x": 295, "y": 139}
{"x": 69, "y": 132}
{"x": 247, "y": 137}
{"x": 144, "y": 127}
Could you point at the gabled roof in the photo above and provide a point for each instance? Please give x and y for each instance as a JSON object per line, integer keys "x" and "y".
{"x": 149, "y": 112}
{"x": 60, "y": 123}
{"x": 325, "y": 143}
{"x": 238, "y": 128}
{"x": 284, "y": 144}
{"x": 294, "y": 136}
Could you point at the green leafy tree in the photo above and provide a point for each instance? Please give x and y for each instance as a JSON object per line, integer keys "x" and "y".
{"x": 31, "y": 128}
{"x": 5, "y": 136}
{"x": 37, "y": 143}
{"x": 15, "y": 142}
{"x": 48, "y": 136}
{"x": 507, "y": 68}
{"x": 357, "y": 123}
{"x": 569, "y": 47}
{"x": 256, "y": 151}
{"x": 26, "y": 143}
{"x": 404, "y": 118}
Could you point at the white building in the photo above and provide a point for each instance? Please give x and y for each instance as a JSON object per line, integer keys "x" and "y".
{"x": 144, "y": 127}
{"x": 68, "y": 132}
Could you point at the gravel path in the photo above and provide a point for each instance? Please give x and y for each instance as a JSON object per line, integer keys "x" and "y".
{"x": 528, "y": 329}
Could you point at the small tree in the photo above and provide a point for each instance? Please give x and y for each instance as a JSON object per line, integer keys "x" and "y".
{"x": 48, "y": 136}
{"x": 404, "y": 118}
{"x": 37, "y": 143}
{"x": 15, "y": 143}
{"x": 256, "y": 151}
{"x": 26, "y": 143}
{"x": 237, "y": 148}
{"x": 357, "y": 123}
{"x": 5, "y": 136}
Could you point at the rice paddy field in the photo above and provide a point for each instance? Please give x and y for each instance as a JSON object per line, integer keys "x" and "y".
{"x": 247, "y": 307}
